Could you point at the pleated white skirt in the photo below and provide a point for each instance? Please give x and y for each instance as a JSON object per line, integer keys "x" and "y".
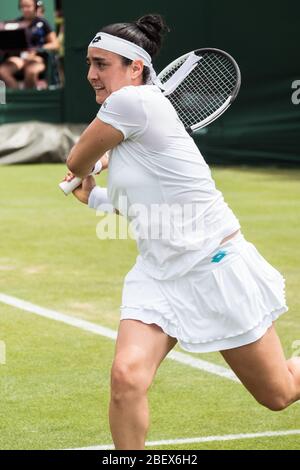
{"x": 228, "y": 300}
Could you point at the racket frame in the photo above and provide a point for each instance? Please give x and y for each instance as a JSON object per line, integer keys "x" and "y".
{"x": 230, "y": 99}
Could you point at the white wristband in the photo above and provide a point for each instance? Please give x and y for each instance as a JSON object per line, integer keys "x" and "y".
{"x": 97, "y": 168}
{"x": 98, "y": 200}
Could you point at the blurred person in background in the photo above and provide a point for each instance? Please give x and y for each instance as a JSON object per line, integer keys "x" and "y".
{"x": 31, "y": 62}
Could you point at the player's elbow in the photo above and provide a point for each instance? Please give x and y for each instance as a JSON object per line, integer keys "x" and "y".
{"x": 77, "y": 164}
{"x": 72, "y": 165}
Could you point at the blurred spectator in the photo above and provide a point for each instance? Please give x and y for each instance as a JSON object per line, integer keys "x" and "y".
{"x": 30, "y": 62}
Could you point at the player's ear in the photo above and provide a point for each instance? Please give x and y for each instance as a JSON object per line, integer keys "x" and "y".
{"x": 137, "y": 68}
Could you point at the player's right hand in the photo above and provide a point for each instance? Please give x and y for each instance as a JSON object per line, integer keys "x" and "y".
{"x": 83, "y": 191}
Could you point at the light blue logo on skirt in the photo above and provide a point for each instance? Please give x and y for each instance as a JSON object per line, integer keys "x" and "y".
{"x": 219, "y": 256}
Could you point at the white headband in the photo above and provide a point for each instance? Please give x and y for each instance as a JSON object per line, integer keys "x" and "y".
{"x": 121, "y": 46}
{"x": 124, "y": 48}
{"x": 132, "y": 51}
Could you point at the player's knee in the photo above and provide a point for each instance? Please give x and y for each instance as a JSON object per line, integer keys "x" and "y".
{"x": 276, "y": 402}
{"x": 128, "y": 379}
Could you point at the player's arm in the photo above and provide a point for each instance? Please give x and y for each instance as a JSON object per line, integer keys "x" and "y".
{"x": 96, "y": 140}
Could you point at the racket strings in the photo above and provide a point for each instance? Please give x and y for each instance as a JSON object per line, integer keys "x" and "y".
{"x": 223, "y": 70}
{"x": 204, "y": 90}
{"x": 211, "y": 85}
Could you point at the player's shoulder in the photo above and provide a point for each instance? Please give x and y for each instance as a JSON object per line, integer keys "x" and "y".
{"x": 127, "y": 97}
{"x": 133, "y": 101}
{"x": 125, "y": 93}
{"x": 132, "y": 92}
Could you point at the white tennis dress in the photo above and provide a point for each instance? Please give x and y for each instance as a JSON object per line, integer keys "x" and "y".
{"x": 209, "y": 297}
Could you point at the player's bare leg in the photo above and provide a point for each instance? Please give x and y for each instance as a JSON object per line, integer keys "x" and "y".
{"x": 140, "y": 349}
{"x": 262, "y": 368}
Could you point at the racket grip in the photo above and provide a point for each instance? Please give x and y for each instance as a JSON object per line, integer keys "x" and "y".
{"x": 68, "y": 186}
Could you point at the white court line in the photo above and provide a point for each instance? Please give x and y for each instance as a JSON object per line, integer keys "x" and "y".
{"x": 195, "y": 440}
{"x": 111, "y": 334}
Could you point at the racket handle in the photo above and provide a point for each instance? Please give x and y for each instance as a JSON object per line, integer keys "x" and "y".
{"x": 68, "y": 186}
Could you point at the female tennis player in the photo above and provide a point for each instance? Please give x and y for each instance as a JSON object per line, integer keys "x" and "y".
{"x": 206, "y": 288}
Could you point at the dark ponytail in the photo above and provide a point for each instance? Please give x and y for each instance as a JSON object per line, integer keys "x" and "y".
{"x": 154, "y": 28}
{"x": 147, "y": 32}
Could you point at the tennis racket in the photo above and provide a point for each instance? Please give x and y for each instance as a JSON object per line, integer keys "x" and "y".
{"x": 208, "y": 89}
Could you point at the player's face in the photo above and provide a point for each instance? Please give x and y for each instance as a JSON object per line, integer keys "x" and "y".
{"x": 107, "y": 73}
{"x": 28, "y": 8}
